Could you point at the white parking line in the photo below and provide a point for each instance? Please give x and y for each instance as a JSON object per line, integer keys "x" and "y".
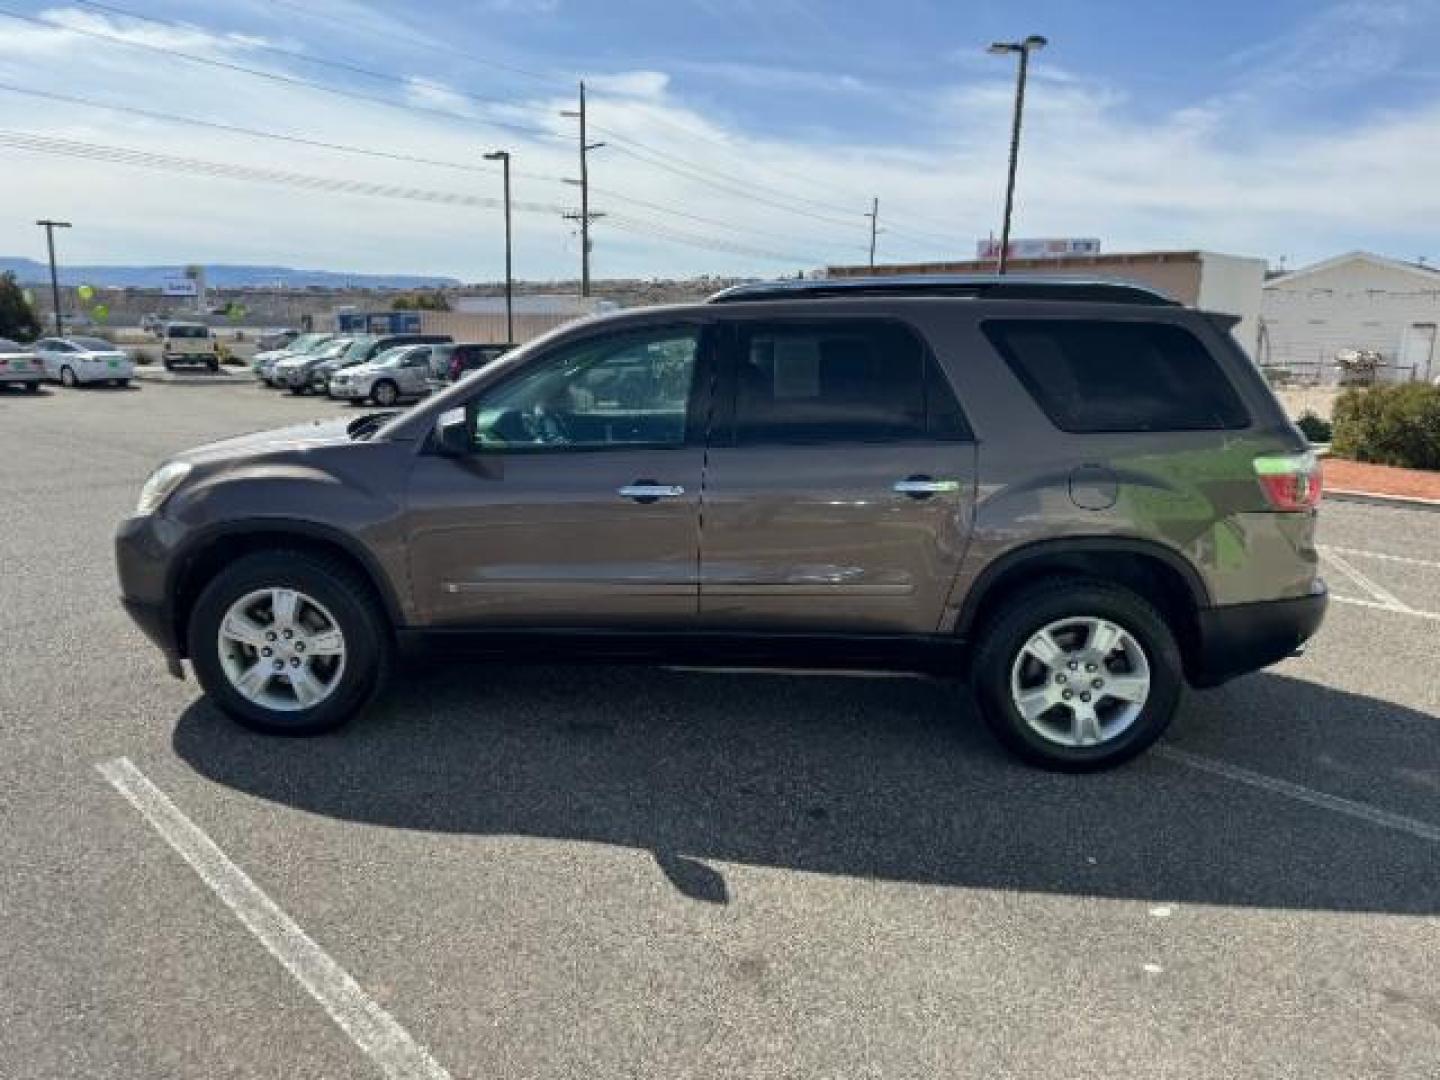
{"x": 371, "y": 1028}
{"x": 1434, "y": 616}
{"x": 1383, "y": 595}
{"x": 1375, "y": 816}
{"x": 1409, "y": 560}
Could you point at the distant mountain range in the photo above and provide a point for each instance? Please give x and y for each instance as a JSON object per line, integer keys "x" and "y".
{"x": 30, "y": 272}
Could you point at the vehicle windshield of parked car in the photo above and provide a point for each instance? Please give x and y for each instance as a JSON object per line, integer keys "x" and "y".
{"x": 187, "y": 331}
{"x": 308, "y": 343}
{"x": 360, "y": 347}
{"x": 626, "y": 390}
{"x": 393, "y": 356}
{"x": 93, "y": 344}
{"x": 333, "y": 349}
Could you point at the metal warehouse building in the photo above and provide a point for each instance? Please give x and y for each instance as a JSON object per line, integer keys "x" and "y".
{"x": 1355, "y": 301}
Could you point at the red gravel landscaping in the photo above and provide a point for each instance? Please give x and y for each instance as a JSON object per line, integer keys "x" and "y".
{"x": 1341, "y": 475}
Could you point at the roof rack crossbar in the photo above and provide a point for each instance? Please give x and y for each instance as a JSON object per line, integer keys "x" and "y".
{"x": 975, "y": 287}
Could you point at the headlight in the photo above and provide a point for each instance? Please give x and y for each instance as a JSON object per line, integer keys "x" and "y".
{"x": 162, "y": 482}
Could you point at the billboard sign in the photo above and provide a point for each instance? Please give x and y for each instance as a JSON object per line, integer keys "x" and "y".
{"x": 175, "y": 285}
{"x": 1038, "y": 249}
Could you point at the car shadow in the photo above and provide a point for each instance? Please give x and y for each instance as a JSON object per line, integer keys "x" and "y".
{"x": 890, "y": 779}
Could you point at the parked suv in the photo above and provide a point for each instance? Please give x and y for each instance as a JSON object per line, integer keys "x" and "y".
{"x": 403, "y": 371}
{"x": 1078, "y": 496}
{"x": 189, "y": 343}
{"x": 365, "y": 349}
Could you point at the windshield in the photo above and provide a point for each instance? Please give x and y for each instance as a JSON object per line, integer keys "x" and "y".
{"x": 306, "y": 343}
{"x": 334, "y": 349}
{"x": 360, "y": 346}
{"x": 93, "y": 344}
{"x": 393, "y": 355}
{"x": 187, "y": 331}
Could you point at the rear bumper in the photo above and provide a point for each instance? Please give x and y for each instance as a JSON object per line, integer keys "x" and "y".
{"x": 1240, "y": 638}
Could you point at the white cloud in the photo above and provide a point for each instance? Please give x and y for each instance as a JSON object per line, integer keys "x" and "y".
{"x": 641, "y": 84}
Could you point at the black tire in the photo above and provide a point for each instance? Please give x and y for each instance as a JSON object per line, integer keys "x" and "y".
{"x": 332, "y": 583}
{"x": 213, "y": 366}
{"x": 300, "y": 391}
{"x": 385, "y": 393}
{"x": 32, "y": 387}
{"x": 169, "y": 364}
{"x": 1004, "y": 637}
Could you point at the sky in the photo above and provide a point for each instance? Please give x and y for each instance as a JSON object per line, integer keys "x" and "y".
{"x": 741, "y": 137}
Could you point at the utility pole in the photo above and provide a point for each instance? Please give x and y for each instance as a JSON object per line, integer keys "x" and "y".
{"x": 503, "y": 156}
{"x": 874, "y": 216}
{"x": 1033, "y": 43}
{"x": 50, "y": 227}
{"x": 584, "y": 216}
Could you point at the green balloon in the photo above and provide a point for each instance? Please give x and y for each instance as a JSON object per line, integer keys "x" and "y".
{"x": 29, "y": 295}
{"x": 100, "y": 312}
{"x": 86, "y": 292}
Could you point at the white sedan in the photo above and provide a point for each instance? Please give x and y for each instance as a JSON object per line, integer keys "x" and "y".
{"x": 75, "y": 360}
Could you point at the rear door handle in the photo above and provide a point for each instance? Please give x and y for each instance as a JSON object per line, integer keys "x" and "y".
{"x": 648, "y": 491}
{"x": 922, "y": 487}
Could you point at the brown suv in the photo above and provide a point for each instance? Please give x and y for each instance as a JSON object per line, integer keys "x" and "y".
{"x": 1079, "y": 495}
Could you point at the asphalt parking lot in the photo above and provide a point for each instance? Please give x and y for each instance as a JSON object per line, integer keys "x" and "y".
{"x": 604, "y": 872}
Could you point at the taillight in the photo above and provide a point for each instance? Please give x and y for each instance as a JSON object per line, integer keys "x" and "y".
{"x": 1290, "y": 481}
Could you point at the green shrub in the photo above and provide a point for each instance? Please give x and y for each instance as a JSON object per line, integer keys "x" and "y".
{"x": 1315, "y": 428}
{"x": 1389, "y": 425}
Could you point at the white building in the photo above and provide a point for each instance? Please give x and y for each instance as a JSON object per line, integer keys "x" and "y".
{"x": 1354, "y": 301}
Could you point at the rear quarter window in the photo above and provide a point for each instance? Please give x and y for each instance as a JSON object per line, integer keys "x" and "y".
{"x": 1091, "y": 376}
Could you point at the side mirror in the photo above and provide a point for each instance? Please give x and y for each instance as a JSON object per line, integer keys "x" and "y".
{"x": 452, "y": 437}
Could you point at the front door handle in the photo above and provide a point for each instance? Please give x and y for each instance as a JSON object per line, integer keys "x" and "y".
{"x": 648, "y": 491}
{"x": 922, "y": 487}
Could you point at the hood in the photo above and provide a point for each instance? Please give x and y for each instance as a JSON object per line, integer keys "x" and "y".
{"x": 298, "y": 437}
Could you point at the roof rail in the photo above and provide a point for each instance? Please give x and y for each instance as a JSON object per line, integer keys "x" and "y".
{"x": 964, "y": 286}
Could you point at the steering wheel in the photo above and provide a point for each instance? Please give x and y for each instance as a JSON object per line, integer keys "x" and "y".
{"x": 545, "y": 427}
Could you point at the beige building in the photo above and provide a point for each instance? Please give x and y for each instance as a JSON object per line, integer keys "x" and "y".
{"x": 1202, "y": 279}
{"x": 1354, "y": 301}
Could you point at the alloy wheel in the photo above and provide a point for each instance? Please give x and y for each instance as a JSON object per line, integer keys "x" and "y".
{"x": 1080, "y": 681}
{"x": 281, "y": 649}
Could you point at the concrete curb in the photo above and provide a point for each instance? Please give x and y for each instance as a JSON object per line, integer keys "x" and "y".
{"x": 173, "y": 378}
{"x": 1371, "y": 498}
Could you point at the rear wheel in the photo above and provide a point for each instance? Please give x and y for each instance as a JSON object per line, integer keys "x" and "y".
{"x": 385, "y": 393}
{"x": 289, "y": 643}
{"x": 67, "y": 377}
{"x": 212, "y": 365}
{"x": 1077, "y": 674}
{"x": 32, "y": 387}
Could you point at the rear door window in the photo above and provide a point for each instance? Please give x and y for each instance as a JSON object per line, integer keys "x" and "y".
{"x": 1093, "y": 376}
{"x": 842, "y": 380}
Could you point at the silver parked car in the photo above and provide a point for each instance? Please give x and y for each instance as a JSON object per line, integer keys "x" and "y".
{"x": 75, "y": 360}
{"x": 403, "y": 371}
{"x": 263, "y": 363}
{"x": 19, "y": 366}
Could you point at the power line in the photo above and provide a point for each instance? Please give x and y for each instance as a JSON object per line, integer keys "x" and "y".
{"x": 223, "y": 170}
{"x": 388, "y": 77}
{"x": 388, "y": 155}
{"x": 273, "y": 76}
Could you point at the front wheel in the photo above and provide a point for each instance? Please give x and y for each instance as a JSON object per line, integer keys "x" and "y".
{"x": 67, "y": 377}
{"x": 385, "y": 393}
{"x": 1077, "y": 674}
{"x": 289, "y": 643}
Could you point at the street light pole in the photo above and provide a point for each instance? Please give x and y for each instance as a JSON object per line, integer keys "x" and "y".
{"x": 1033, "y": 43}
{"x": 50, "y": 227}
{"x": 874, "y": 216}
{"x": 503, "y": 156}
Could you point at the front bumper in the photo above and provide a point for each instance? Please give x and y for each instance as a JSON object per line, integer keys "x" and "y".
{"x": 142, "y": 559}
{"x": 348, "y": 390}
{"x": 1239, "y": 638}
